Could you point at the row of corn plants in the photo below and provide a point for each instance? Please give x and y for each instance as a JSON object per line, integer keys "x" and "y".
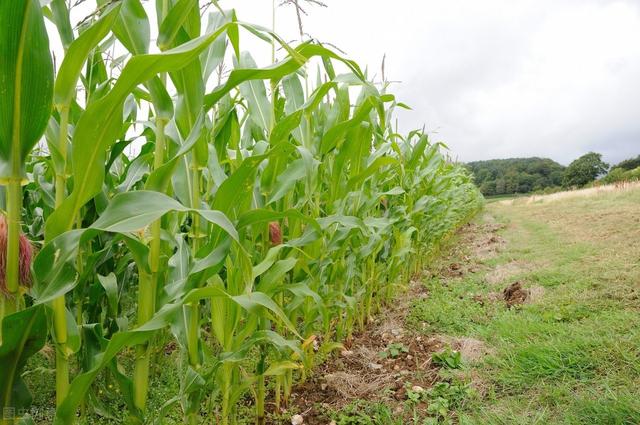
{"x": 179, "y": 193}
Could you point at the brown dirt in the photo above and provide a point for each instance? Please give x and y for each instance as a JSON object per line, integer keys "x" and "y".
{"x": 486, "y": 243}
{"x": 360, "y": 372}
{"x": 477, "y": 242}
{"x": 515, "y": 294}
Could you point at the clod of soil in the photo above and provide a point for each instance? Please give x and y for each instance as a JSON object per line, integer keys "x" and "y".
{"x": 515, "y": 294}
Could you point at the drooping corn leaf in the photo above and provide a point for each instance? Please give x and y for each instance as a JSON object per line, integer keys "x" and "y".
{"x": 132, "y": 211}
{"x": 255, "y": 94}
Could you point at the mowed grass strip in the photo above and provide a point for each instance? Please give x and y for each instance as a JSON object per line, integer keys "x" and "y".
{"x": 572, "y": 356}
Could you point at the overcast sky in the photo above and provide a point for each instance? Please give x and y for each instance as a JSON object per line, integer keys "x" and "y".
{"x": 494, "y": 78}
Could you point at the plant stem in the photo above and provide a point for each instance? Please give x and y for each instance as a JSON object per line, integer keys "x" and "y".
{"x": 156, "y": 226}
{"x": 148, "y": 285}
{"x": 193, "y": 333}
{"x": 58, "y": 304}
{"x": 261, "y": 384}
{"x": 141, "y": 373}
{"x": 193, "y": 327}
{"x": 194, "y": 322}
{"x": 62, "y": 148}
{"x": 226, "y": 392}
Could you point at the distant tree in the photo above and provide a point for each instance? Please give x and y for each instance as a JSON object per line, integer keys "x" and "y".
{"x": 488, "y": 188}
{"x": 522, "y": 175}
{"x": 628, "y": 164}
{"x": 500, "y": 187}
{"x": 539, "y": 183}
{"x": 584, "y": 170}
{"x": 556, "y": 177}
{"x": 526, "y": 182}
{"x": 619, "y": 174}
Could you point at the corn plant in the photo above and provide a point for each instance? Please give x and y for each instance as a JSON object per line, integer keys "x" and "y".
{"x": 260, "y": 220}
{"x": 26, "y": 75}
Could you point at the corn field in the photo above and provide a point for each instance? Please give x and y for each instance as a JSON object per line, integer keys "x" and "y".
{"x": 177, "y": 194}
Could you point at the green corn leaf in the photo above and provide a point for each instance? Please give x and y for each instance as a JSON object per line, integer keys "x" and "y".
{"x": 102, "y": 124}
{"x": 259, "y": 215}
{"x": 349, "y": 222}
{"x": 23, "y": 334}
{"x": 77, "y": 54}
{"x": 60, "y": 16}
{"x": 235, "y": 188}
{"x": 254, "y": 301}
{"x": 131, "y": 211}
{"x": 287, "y": 180}
{"x": 132, "y": 26}
{"x": 260, "y": 337}
{"x": 303, "y": 290}
{"x": 54, "y": 266}
{"x": 280, "y": 368}
{"x": 214, "y": 55}
{"x": 26, "y": 82}
{"x": 303, "y": 53}
{"x": 127, "y": 212}
{"x": 274, "y": 276}
{"x": 173, "y": 22}
{"x": 337, "y": 133}
{"x": 255, "y": 94}
{"x": 66, "y": 412}
{"x": 110, "y": 285}
{"x": 162, "y": 102}
{"x": 159, "y": 179}
{"x": 370, "y": 171}
{"x": 269, "y": 259}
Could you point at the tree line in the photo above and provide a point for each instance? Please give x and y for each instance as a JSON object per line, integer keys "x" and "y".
{"x": 525, "y": 175}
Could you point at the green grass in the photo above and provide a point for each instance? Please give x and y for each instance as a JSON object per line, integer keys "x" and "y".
{"x": 573, "y": 356}
{"x": 450, "y": 308}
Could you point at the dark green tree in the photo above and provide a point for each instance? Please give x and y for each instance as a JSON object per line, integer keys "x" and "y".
{"x": 584, "y": 170}
{"x": 629, "y": 164}
{"x": 516, "y": 175}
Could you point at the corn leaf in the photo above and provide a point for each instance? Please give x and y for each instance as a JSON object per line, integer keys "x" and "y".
{"x": 26, "y": 82}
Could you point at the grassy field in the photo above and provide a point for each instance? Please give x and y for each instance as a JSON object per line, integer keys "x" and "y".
{"x": 570, "y": 353}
